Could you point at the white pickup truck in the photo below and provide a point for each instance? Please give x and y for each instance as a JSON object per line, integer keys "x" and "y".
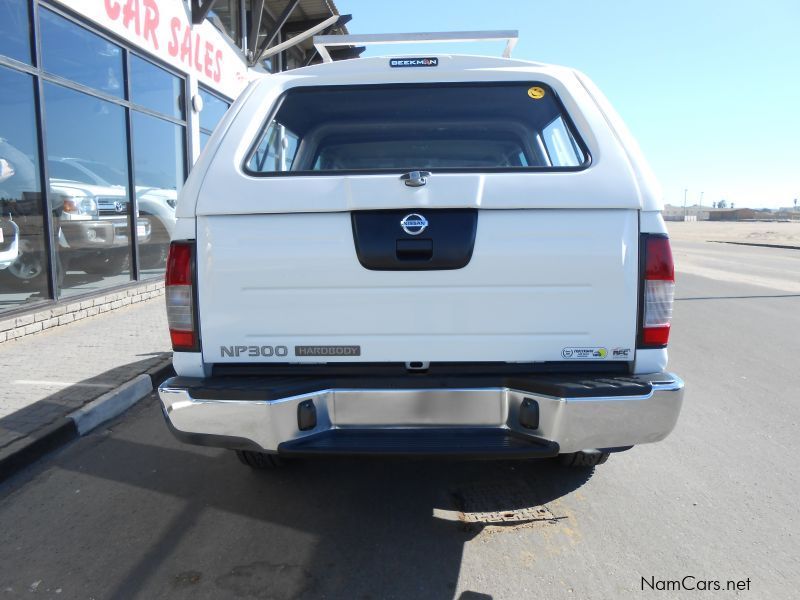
{"x": 421, "y": 256}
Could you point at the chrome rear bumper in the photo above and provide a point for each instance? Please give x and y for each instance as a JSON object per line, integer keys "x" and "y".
{"x": 572, "y": 422}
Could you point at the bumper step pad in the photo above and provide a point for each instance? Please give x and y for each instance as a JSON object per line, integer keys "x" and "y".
{"x": 458, "y": 443}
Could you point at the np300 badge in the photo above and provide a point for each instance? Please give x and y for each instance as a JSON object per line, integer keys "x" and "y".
{"x": 414, "y": 224}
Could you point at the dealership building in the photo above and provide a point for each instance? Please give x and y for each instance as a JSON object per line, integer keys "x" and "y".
{"x": 106, "y": 105}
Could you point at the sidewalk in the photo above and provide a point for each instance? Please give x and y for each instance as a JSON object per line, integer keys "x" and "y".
{"x": 48, "y": 376}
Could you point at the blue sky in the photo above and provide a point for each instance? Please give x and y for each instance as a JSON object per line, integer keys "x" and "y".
{"x": 711, "y": 89}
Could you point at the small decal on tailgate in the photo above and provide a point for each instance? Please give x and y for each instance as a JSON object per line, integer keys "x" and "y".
{"x": 536, "y": 93}
{"x": 327, "y": 350}
{"x": 575, "y": 353}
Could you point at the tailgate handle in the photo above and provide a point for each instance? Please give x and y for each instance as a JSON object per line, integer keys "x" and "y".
{"x": 414, "y": 249}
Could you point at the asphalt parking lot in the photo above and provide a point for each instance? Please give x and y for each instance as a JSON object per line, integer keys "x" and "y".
{"x": 129, "y": 512}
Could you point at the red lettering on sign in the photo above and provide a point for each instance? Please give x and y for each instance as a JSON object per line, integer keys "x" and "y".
{"x": 183, "y": 44}
{"x": 218, "y": 72}
{"x": 112, "y": 9}
{"x": 131, "y": 13}
{"x": 197, "y": 64}
{"x": 207, "y": 59}
{"x": 172, "y": 47}
{"x": 186, "y": 47}
{"x": 151, "y": 22}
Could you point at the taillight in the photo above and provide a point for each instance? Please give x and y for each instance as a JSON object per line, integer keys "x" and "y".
{"x": 179, "y": 290}
{"x": 659, "y": 291}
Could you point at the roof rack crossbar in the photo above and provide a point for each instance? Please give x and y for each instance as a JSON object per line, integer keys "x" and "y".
{"x": 322, "y": 42}
{"x": 293, "y": 41}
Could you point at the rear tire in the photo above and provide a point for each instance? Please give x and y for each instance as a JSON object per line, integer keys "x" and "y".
{"x": 31, "y": 270}
{"x": 583, "y": 460}
{"x": 259, "y": 460}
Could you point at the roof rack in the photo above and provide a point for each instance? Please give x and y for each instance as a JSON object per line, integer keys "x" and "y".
{"x": 322, "y": 42}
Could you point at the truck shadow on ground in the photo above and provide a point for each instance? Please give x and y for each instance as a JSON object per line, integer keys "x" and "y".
{"x": 335, "y": 528}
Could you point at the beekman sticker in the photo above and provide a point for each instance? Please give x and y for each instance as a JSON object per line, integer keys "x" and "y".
{"x": 414, "y": 62}
{"x": 584, "y": 353}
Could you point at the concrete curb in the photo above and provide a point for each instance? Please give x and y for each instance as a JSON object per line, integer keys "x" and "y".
{"x": 111, "y": 404}
{"x": 26, "y": 451}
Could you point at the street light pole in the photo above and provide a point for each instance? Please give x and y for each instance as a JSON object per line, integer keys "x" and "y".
{"x": 685, "y": 191}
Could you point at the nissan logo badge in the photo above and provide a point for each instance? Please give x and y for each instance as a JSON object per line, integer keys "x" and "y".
{"x": 414, "y": 224}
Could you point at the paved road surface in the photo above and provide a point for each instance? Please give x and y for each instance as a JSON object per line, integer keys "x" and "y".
{"x": 129, "y": 512}
{"x": 777, "y": 269}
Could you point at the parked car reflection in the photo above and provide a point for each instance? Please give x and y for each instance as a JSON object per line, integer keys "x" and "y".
{"x": 156, "y": 204}
{"x": 9, "y": 231}
{"x": 22, "y": 251}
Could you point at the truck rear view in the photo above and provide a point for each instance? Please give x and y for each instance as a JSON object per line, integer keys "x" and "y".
{"x": 463, "y": 257}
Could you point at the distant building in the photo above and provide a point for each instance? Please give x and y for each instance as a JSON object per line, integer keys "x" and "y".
{"x": 737, "y": 214}
{"x": 705, "y": 213}
{"x": 788, "y": 213}
{"x": 693, "y": 213}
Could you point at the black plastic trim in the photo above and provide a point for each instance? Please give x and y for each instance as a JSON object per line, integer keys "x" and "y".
{"x": 446, "y": 243}
{"x": 474, "y": 443}
{"x": 616, "y": 449}
{"x": 529, "y": 413}
{"x": 398, "y": 369}
{"x": 279, "y": 387}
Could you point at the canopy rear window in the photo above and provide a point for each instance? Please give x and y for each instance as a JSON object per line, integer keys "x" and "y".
{"x": 442, "y": 127}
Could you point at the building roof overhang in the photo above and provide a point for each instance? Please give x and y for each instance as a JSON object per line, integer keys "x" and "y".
{"x": 278, "y": 26}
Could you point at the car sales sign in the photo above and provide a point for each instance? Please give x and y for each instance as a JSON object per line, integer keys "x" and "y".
{"x": 164, "y": 28}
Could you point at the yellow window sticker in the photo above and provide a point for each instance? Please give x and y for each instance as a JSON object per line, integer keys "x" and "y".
{"x": 536, "y": 92}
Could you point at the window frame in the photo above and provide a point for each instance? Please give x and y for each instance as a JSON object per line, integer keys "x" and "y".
{"x": 263, "y": 129}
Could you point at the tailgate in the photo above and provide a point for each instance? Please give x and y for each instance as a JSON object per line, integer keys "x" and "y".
{"x": 538, "y": 285}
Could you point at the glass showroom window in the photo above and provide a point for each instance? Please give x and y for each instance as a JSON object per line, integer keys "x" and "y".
{"x": 75, "y": 53}
{"x": 159, "y": 156}
{"x": 23, "y": 251}
{"x": 15, "y": 30}
{"x": 214, "y": 109}
{"x": 114, "y": 128}
{"x": 87, "y": 157}
{"x": 159, "y": 167}
{"x": 91, "y": 200}
{"x": 156, "y": 89}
